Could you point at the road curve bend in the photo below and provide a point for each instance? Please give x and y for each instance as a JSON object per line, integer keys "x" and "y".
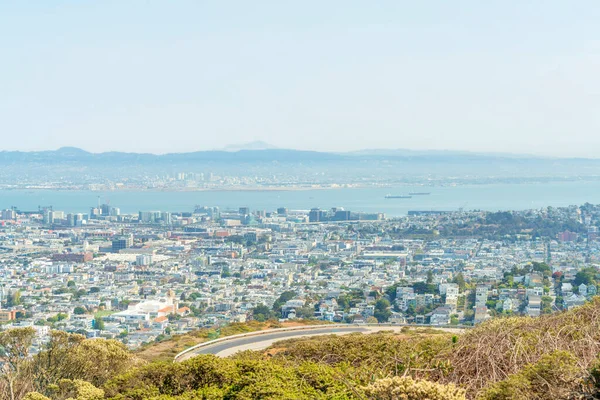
{"x": 260, "y": 340}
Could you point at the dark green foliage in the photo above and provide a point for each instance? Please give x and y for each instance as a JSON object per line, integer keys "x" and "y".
{"x": 546, "y": 305}
{"x": 262, "y": 313}
{"x": 247, "y": 376}
{"x": 459, "y": 279}
{"x": 351, "y": 298}
{"x": 283, "y": 298}
{"x": 586, "y": 276}
{"x": 13, "y": 299}
{"x": 382, "y": 310}
{"x": 98, "y": 323}
{"x": 541, "y": 267}
{"x": 390, "y": 291}
{"x": 425, "y": 288}
{"x": 429, "y": 277}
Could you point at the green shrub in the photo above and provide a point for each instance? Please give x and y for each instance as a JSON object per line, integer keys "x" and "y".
{"x": 246, "y": 376}
{"x": 373, "y": 356}
{"x": 554, "y": 376}
{"x": 35, "y": 396}
{"x": 404, "y": 388}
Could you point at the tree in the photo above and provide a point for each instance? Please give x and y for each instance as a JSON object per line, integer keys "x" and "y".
{"x": 382, "y": 311}
{"x": 546, "y": 305}
{"x": 261, "y": 313}
{"x": 225, "y": 272}
{"x": 99, "y": 323}
{"x": 56, "y": 318}
{"x": 71, "y": 356}
{"x": 53, "y": 363}
{"x": 350, "y": 299}
{"x": 429, "y": 277}
{"x": 586, "y": 276}
{"x": 424, "y": 288}
{"x": 79, "y": 310}
{"x": 343, "y": 302}
{"x": 390, "y": 291}
{"x": 15, "y": 345}
{"x": 305, "y": 312}
{"x": 459, "y": 279}
{"x": 557, "y": 275}
{"x": 283, "y": 298}
{"x": 14, "y": 299}
{"x": 71, "y": 284}
{"x": 491, "y": 304}
{"x": 541, "y": 267}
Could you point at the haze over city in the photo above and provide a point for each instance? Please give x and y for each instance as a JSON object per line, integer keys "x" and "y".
{"x": 319, "y": 200}
{"x": 152, "y": 76}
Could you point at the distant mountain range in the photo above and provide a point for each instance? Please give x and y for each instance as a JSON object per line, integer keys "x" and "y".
{"x": 76, "y": 155}
{"x": 260, "y": 160}
{"x": 261, "y": 152}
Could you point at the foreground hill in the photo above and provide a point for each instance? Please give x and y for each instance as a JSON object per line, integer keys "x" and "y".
{"x": 551, "y": 357}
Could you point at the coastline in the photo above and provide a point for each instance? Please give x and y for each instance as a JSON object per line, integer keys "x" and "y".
{"x": 416, "y": 186}
{"x": 364, "y": 198}
{"x": 220, "y": 189}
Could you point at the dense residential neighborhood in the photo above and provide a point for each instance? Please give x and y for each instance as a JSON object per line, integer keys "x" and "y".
{"x": 142, "y": 278}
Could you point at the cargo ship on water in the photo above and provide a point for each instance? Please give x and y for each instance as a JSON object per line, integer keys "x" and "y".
{"x": 401, "y": 196}
{"x": 420, "y": 194}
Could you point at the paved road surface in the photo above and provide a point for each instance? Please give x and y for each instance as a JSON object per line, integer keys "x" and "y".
{"x": 260, "y": 342}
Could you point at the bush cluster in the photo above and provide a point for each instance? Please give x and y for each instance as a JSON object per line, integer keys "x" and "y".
{"x": 551, "y": 357}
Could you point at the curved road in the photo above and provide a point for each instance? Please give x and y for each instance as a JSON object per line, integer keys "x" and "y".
{"x": 262, "y": 341}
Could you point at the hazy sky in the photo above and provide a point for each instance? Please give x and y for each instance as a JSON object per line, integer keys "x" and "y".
{"x": 164, "y": 76}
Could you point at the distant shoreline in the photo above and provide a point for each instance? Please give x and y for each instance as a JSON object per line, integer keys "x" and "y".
{"x": 175, "y": 190}
{"x": 300, "y": 188}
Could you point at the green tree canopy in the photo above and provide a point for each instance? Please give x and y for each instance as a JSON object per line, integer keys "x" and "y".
{"x": 382, "y": 310}
{"x": 261, "y": 313}
{"x": 586, "y": 275}
{"x": 79, "y": 310}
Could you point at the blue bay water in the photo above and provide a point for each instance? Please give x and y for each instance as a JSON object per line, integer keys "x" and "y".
{"x": 490, "y": 197}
